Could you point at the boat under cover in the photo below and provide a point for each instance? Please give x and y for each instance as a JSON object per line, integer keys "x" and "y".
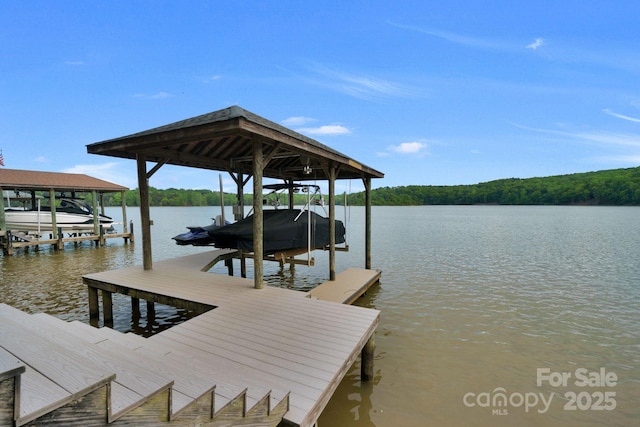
{"x": 283, "y": 230}
{"x": 196, "y": 236}
{"x": 71, "y": 216}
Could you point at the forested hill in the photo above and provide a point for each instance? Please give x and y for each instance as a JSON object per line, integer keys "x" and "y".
{"x": 609, "y": 187}
{"x": 619, "y": 187}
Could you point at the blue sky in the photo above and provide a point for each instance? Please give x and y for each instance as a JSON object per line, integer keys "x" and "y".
{"x": 430, "y": 93}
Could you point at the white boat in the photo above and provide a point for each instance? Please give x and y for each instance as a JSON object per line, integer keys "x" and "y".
{"x": 72, "y": 216}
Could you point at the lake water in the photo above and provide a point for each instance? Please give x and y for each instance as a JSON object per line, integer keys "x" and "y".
{"x": 490, "y": 315}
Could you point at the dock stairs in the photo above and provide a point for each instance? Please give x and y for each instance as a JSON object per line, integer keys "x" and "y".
{"x": 58, "y": 373}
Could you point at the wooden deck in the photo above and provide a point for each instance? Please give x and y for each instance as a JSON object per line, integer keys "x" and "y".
{"x": 260, "y": 339}
{"x": 348, "y": 286}
{"x": 12, "y": 240}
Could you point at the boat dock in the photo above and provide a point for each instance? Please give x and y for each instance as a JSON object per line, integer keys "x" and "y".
{"x": 24, "y": 186}
{"x": 267, "y": 356}
{"x": 348, "y": 286}
{"x": 12, "y": 240}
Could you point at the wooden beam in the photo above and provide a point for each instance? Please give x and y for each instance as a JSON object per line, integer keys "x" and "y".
{"x": 156, "y": 168}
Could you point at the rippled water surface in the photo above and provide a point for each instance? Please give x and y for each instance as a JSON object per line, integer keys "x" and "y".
{"x": 475, "y": 300}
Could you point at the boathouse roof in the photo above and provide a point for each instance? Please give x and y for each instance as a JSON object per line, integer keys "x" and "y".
{"x": 16, "y": 179}
{"x": 222, "y": 140}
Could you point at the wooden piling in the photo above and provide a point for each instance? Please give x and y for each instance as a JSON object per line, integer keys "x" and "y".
{"x": 94, "y": 309}
{"x": 107, "y": 308}
{"x": 366, "y": 367}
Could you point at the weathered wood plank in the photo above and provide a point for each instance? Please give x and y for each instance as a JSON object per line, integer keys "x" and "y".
{"x": 39, "y": 395}
{"x": 8, "y": 392}
{"x": 10, "y": 371}
{"x": 10, "y": 366}
{"x": 88, "y": 410}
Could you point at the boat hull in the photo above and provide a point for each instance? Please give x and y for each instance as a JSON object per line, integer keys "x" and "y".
{"x": 20, "y": 220}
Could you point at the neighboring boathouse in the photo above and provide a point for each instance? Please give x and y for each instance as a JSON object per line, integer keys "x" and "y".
{"x": 27, "y": 187}
{"x": 257, "y": 356}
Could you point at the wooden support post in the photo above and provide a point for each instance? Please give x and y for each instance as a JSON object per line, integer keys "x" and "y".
{"x": 60, "y": 243}
{"x": 367, "y": 227}
{"x": 258, "y": 242}
{"x": 94, "y": 309}
{"x": 332, "y": 222}
{"x": 54, "y": 221}
{"x": 123, "y": 202}
{"x": 131, "y": 236}
{"x": 107, "y": 308}
{"x": 9, "y": 248}
{"x": 151, "y": 312}
{"x": 366, "y": 366}
{"x": 243, "y": 265}
{"x": 143, "y": 188}
{"x": 3, "y": 223}
{"x": 96, "y": 214}
{"x": 229, "y": 263}
{"x": 135, "y": 306}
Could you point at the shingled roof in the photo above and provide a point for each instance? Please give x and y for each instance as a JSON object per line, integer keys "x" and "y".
{"x": 222, "y": 140}
{"x": 16, "y": 179}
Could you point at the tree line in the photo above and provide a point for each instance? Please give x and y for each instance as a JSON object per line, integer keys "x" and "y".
{"x": 619, "y": 187}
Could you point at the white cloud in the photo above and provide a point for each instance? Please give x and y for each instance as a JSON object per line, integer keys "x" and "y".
{"x": 110, "y": 171}
{"x": 621, "y": 116}
{"x": 41, "y": 159}
{"x": 600, "y": 137}
{"x": 413, "y": 147}
{"x": 359, "y": 86}
{"x": 159, "y": 95}
{"x": 456, "y": 38}
{"x": 325, "y": 130}
{"x": 297, "y": 121}
{"x": 536, "y": 44}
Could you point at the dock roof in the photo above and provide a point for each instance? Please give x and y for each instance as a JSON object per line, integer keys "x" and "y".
{"x": 222, "y": 140}
{"x": 16, "y": 179}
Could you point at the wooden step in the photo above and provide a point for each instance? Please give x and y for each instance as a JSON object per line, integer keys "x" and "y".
{"x": 11, "y": 369}
{"x": 53, "y": 375}
{"x": 210, "y": 364}
{"x": 191, "y": 387}
{"x": 133, "y": 384}
{"x": 194, "y": 397}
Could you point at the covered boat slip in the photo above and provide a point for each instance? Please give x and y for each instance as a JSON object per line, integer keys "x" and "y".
{"x": 248, "y": 147}
{"x": 24, "y": 228}
{"x": 272, "y": 338}
{"x": 275, "y": 339}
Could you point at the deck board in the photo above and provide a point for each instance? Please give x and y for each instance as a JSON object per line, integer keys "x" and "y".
{"x": 348, "y": 286}
{"x": 268, "y": 338}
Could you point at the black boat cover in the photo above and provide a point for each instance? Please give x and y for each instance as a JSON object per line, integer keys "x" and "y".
{"x": 281, "y": 232}
{"x": 196, "y": 236}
